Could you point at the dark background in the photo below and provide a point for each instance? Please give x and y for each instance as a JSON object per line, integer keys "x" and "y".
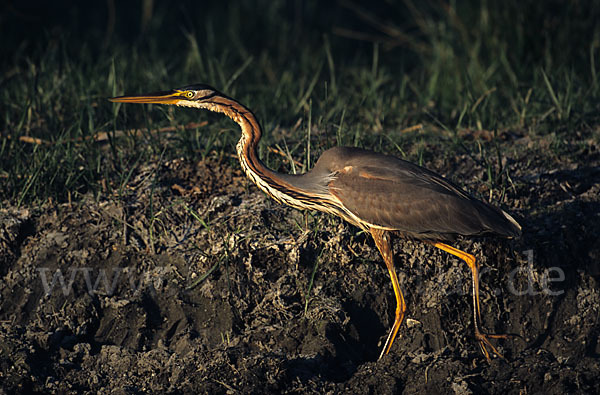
{"x": 535, "y": 31}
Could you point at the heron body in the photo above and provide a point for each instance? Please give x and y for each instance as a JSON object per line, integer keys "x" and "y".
{"x": 381, "y": 194}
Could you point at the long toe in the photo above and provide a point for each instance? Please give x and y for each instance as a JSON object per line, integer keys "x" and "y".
{"x": 487, "y": 347}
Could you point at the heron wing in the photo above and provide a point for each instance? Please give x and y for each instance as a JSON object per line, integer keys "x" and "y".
{"x": 389, "y": 192}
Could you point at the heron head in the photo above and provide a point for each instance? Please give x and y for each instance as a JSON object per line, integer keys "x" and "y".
{"x": 188, "y": 96}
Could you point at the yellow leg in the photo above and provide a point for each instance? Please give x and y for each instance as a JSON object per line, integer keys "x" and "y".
{"x": 474, "y": 266}
{"x": 382, "y": 240}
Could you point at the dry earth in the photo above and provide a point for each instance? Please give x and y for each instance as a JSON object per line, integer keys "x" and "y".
{"x": 193, "y": 281}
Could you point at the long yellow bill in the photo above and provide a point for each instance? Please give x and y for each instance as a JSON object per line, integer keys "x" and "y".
{"x": 165, "y": 97}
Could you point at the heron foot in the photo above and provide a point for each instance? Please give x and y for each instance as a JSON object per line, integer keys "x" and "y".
{"x": 487, "y": 347}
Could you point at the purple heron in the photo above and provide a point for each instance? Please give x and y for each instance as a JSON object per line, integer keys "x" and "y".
{"x": 380, "y": 194}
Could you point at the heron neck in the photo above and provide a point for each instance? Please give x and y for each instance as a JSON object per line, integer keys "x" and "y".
{"x": 294, "y": 190}
{"x": 266, "y": 179}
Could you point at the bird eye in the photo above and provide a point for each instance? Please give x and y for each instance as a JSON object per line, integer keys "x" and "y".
{"x": 189, "y": 94}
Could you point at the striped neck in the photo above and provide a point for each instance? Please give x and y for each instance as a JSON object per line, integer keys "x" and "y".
{"x": 304, "y": 191}
{"x": 265, "y": 178}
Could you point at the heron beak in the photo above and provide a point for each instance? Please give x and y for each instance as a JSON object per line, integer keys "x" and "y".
{"x": 166, "y": 97}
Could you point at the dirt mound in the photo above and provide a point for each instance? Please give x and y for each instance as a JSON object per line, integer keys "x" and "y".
{"x": 193, "y": 281}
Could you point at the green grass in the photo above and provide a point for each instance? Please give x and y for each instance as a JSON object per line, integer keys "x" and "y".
{"x": 474, "y": 66}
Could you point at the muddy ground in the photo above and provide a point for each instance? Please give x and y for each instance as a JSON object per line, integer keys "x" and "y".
{"x": 193, "y": 281}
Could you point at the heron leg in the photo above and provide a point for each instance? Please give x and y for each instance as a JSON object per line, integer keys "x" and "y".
{"x": 479, "y": 334}
{"x": 382, "y": 240}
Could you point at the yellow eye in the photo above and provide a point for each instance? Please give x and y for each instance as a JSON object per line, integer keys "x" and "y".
{"x": 189, "y": 94}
